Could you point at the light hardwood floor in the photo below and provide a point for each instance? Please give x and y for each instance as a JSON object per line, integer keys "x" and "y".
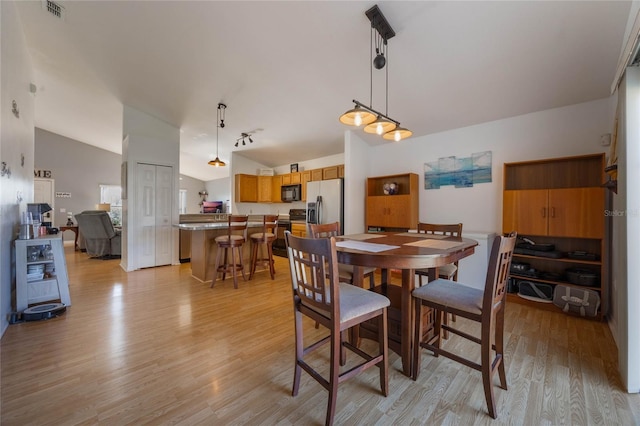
{"x": 158, "y": 347}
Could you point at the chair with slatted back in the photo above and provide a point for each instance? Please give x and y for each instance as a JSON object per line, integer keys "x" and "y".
{"x": 264, "y": 239}
{"x": 450, "y": 271}
{"x": 319, "y": 295}
{"x": 326, "y": 230}
{"x": 232, "y": 240}
{"x": 483, "y": 306}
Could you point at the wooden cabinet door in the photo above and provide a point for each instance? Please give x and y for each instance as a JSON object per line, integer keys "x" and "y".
{"x": 316, "y": 174}
{"x": 276, "y": 184}
{"x": 306, "y": 177}
{"x": 330, "y": 173}
{"x": 299, "y": 229}
{"x": 576, "y": 212}
{"x": 264, "y": 189}
{"x": 525, "y": 211}
{"x": 286, "y": 179}
{"x": 389, "y": 211}
{"x": 246, "y": 188}
{"x": 295, "y": 178}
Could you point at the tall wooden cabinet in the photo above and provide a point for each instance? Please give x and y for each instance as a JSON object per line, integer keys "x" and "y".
{"x": 390, "y": 212}
{"x": 560, "y": 201}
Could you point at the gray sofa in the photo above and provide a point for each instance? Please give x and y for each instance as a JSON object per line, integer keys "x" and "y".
{"x": 99, "y": 237}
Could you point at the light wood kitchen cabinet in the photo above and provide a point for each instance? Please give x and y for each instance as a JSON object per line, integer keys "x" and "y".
{"x": 246, "y": 188}
{"x": 559, "y": 202}
{"x": 276, "y": 184}
{"x": 392, "y": 212}
{"x": 316, "y": 174}
{"x": 566, "y": 212}
{"x": 299, "y": 229}
{"x": 264, "y": 189}
{"x": 306, "y": 177}
{"x": 341, "y": 170}
{"x": 330, "y": 173}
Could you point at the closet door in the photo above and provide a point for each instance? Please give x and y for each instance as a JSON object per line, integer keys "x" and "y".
{"x": 154, "y": 186}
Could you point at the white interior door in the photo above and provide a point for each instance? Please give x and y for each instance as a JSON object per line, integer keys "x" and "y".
{"x": 154, "y": 204}
{"x": 43, "y": 192}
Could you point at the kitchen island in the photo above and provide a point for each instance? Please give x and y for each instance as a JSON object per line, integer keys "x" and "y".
{"x": 203, "y": 247}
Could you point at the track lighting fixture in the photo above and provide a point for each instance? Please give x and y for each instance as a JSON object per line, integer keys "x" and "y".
{"x": 374, "y": 121}
{"x": 219, "y": 123}
{"x": 243, "y": 137}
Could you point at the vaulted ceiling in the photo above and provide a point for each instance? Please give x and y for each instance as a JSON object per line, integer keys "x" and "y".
{"x": 287, "y": 70}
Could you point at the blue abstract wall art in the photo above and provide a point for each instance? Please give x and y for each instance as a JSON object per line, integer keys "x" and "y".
{"x": 461, "y": 172}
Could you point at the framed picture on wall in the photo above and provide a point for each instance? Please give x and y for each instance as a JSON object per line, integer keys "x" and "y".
{"x": 294, "y": 167}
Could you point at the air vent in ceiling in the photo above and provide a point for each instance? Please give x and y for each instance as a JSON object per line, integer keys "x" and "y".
{"x": 56, "y": 9}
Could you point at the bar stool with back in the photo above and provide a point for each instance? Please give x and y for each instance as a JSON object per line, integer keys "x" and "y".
{"x": 233, "y": 240}
{"x": 483, "y": 306}
{"x": 264, "y": 239}
{"x": 319, "y": 295}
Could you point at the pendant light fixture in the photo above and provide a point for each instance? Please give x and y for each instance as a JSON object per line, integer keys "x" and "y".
{"x": 375, "y": 122}
{"x": 219, "y": 123}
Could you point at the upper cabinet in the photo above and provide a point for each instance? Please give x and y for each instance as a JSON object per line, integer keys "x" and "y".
{"x": 246, "y": 188}
{"x": 267, "y": 189}
{"x": 560, "y": 197}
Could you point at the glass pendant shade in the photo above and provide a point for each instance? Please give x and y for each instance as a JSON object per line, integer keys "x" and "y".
{"x": 380, "y": 127}
{"x": 217, "y": 162}
{"x": 398, "y": 134}
{"x": 357, "y": 117}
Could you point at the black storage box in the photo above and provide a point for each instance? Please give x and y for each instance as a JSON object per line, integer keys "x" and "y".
{"x": 538, "y": 292}
{"x": 580, "y": 276}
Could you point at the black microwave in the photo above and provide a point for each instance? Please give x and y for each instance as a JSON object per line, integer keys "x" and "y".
{"x": 291, "y": 193}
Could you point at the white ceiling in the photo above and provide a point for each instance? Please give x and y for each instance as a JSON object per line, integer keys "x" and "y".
{"x": 291, "y": 68}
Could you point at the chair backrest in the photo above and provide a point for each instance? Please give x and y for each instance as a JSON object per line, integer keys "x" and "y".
{"x": 495, "y": 288}
{"x": 95, "y": 224}
{"x": 269, "y": 223}
{"x": 238, "y": 225}
{"x": 452, "y": 230}
{"x": 314, "y": 273}
{"x": 323, "y": 230}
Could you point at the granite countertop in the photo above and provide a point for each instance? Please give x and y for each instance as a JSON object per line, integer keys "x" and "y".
{"x": 211, "y": 225}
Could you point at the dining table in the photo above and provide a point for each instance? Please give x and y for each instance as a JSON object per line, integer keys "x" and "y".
{"x": 404, "y": 252}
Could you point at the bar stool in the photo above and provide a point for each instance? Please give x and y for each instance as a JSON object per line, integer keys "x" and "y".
{"x": 267, "y": 236}
{"x": 233, "y": 240}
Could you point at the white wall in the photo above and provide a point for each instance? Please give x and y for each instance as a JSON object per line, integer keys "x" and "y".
{"x": 358, "y": 157}
{"x": 567, "y": 131}
{"x": 16, "y": 145}
{"x": 192, "y": 186}
{"x": 626, "y": 233}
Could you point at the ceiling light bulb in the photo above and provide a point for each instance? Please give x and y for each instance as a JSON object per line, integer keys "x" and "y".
{"x": 397, "y": 136}
{"x": 379, "y": 128}
{"x": 357, "y": 120}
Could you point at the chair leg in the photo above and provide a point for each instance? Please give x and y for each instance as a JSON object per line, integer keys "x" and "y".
{"x": 499, "y": 339}
{"x": 336, "y": 345}
{"x": 254, "y": 258}
{"x": 417, "y": 338}
{"x": 217, "y": 265}
{"x": 299, "y": 352}
{"x": 438, "y": 330}
{"x": 233, "y": 268}
{"x": 487, "y": 372}
{"x": 372, "y": 281}
{"x": 384, "y": 350}
{"x": 272, "y": 264}
{"x": 241, "y": 262}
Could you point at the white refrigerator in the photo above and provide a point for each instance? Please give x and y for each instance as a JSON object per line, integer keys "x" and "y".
{"x": 325, "y": 202}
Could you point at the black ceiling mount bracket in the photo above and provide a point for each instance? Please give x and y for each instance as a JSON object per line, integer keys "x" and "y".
{"x": 379, "y": 22}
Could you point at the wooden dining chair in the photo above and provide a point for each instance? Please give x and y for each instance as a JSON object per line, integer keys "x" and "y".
{"x": 326, "y": 230}
{"x": 483, "y": 306}
{"x": 232, "y": 240}
{"x": 450, "y": 271}
{"x": 264, "y": 239}
{"x": 319, "y": 295}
